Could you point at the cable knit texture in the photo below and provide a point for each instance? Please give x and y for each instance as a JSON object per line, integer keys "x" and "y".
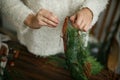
{"x": 46, "y": 41}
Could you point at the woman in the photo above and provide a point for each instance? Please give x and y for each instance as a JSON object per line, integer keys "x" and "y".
{"x": 39, "y": 22}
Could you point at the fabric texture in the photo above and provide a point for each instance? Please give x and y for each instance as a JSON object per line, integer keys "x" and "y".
{"x": 46, "y": 41}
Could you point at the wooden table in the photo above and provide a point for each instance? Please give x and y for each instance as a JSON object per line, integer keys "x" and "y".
{"x": 29, "y": 67}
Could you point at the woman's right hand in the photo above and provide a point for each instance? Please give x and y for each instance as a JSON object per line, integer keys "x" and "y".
{"x": 42, "y": 18}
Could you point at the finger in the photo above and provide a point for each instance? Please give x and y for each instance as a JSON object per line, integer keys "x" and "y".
{"x": 82, "y": 25}
{"x": 87, "y": 27}
{"x": 39, "y": 25}
{"x": 42, "y": 23}
{"x": 49, "y": 22}
{"x": 40, "y": 20}
{"x": 72, "y": 18}
{"x": 51, "y": 17}
{"x": 78, "y": 21}
{"x": 45, "y": 24}
{"x": 74, "y": 25}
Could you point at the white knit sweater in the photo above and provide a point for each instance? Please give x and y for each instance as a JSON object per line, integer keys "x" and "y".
{"x": 46, "y": 41}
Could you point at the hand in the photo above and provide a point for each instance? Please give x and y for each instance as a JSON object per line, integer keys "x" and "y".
{"x": 82, "y": 19}
{"x": 42, "y": 18}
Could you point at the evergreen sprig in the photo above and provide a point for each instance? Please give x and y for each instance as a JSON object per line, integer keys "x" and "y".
{"x": 80, "y": 63}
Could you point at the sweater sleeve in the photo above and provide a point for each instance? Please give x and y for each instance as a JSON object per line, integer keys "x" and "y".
{"x": 16, "y": 11}
{"x": 96, "y": 6}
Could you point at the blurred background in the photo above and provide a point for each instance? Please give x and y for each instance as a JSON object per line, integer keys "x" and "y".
{"x": 107, "y": 33}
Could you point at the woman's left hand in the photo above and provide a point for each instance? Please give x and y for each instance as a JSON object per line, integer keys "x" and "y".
{"x": 82, "y": 19}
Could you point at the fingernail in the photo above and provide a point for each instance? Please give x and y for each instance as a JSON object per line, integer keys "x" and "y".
{"x": 57, "y": 20}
